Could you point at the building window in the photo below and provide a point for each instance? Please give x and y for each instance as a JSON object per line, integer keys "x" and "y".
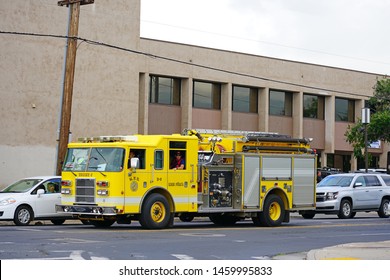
{"x": 244, "y": 99}
{"x": 206, "y": 95}
{"x": 313, "y": 106}
{"x": 165, "y": 90}
{"x": 280, "y": 103}
{"x": 345, "y": 110}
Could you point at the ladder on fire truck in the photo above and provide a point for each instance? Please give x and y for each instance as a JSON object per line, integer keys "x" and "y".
{"x": 254, "y": 141}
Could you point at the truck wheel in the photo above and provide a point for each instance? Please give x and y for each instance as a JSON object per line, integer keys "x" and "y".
{"x": 272, "y": 214}
{"x": 345, "y": 211}
{"x": 384, "y": 211}
{"x": 23, "y": 215}
{"x": 156, "y": 212}
{"x": 223, "y": 220}
{"x": 102, "y": 224}
{"x": 186, "y": 217}
{"x": 308, "y": 215}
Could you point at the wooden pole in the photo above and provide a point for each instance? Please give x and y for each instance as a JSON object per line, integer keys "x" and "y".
{"x": 70, "y": 61}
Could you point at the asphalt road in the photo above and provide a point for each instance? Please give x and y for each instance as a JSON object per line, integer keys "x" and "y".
{"x": 198, "y": 240}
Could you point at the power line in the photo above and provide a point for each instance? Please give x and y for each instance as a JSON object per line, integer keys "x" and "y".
{"x": 179, "y": 61}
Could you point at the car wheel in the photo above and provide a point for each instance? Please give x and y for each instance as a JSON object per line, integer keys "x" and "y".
{"x": 345, "y": 211}
{"x": 58, "y": 222}
{"x": 23, "y": 215}
{"x": 308, "y": 215}
{"x": 384, "y": 211}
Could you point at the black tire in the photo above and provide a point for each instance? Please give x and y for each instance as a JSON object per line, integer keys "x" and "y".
{"x": 223, "y": 220}
{"x": 186, "y": 217}
{"x": 58, "y": 222}
{"x": 85, "y": 222}
{"x": 273, "y": 212}
{"x": 101, "y": 224}
{"x": 308, "y": 215}
{"x": 345, "y": 211}
{"x": 155, "y": 213}
{"x": 23, "y": 215}
{"x": 384, "y": 211}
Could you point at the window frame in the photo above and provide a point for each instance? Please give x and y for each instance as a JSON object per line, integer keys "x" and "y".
{"x": 213, "y": 98}
{"x": 287, "y": 103}
{"x": 252, "y": 99}
{"x": 156, "y": 94}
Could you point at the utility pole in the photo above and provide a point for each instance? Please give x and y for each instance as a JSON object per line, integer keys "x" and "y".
{"x": 70, "y": 61}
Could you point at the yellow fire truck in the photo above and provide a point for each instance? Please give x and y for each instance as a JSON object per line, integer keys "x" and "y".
{"x": 227, "y": 176}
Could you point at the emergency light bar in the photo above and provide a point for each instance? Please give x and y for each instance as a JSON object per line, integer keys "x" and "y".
{"x": 102, "y": 139}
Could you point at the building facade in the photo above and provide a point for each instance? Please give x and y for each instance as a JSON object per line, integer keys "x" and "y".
{"x": 125, "y": 84}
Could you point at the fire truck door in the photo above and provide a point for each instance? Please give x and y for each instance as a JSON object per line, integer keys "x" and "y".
{"x": 179, "y": 186}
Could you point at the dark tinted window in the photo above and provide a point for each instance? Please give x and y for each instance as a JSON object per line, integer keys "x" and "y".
{"x": 386, "y": 179}
{"x": 372, "y": 181}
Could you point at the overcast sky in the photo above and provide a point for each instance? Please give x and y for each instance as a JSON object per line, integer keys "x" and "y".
{"x": 352, "y": 34}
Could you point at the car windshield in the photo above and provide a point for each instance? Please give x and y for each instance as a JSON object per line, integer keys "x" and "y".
{"x": 94, "y": 159}
{"x": 21, "y": 186}
{"x": 335, "y": 181}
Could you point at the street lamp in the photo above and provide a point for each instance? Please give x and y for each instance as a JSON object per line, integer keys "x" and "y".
{"x": 365, "y": 122}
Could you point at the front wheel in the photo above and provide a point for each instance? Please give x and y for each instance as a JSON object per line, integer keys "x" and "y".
{"x": 23, "y": 215}
{"x": 273, "y": 212}
{"x": 384, "y": 211}
{"x": 156, "y": 212}
{"x": 345, "y": 211}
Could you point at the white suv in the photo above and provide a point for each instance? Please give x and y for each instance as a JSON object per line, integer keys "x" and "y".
{"x": 346, "y": 194}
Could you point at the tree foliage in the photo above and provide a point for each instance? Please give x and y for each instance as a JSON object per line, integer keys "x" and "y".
{"x": 379, "y": 126}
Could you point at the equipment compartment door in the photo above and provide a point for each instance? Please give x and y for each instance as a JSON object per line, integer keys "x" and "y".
{"x": 251, "y": 176}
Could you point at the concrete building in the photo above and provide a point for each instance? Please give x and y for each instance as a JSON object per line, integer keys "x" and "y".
{"x": 125, "y": 84}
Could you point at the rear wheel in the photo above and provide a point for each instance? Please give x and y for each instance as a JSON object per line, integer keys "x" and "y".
{"x": 156, "y": 212}
{"x": 23, "y": 215}
{"x": 308, "y": 215}
{"x": 345, "y": 211}
{"x": 58, "y": 222}
{"x": 384, "y": 211}
{"x": 223, "y": 220}
{"x": 273, "y": 212}
{"x": 101, "y": 224}
{"x": 186, "y": 217}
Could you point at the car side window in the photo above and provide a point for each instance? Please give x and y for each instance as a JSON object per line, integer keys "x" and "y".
{"x": 386, "y": 179}
{"x": 361, "y": 180}
{"x": 372, "y": 181}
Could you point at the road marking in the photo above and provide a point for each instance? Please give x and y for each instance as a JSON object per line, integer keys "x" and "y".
{"x": 194, "y": 234}
{"x": 182, "y": 257}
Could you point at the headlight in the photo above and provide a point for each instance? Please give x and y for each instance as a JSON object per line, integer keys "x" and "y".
{"x": 65, "y": 191}
{"x": 331, "y": 195}
{"x": 102, "y": 192}
{"x": 7, "y": 201}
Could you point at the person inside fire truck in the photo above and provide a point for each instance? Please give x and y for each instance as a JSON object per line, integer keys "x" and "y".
{"x": 177, "y": 162}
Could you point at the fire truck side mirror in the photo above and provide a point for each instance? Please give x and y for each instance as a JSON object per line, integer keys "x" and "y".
{"x": 134, "y": 163}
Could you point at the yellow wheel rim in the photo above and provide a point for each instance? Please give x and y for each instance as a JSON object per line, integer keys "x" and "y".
{"x": 158, "y": 212}
{"x": 275, "y": 211}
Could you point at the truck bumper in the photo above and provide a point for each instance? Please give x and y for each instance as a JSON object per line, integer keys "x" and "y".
{"x": 86, "y": 210}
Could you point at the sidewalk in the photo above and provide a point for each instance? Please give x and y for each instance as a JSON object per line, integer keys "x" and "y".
{"x": 350, "y": 251}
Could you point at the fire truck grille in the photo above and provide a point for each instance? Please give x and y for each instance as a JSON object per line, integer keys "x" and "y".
{"x": 85, "y": 190}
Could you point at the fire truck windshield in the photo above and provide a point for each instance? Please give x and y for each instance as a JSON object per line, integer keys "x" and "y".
{"x": 94, "y": 159}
